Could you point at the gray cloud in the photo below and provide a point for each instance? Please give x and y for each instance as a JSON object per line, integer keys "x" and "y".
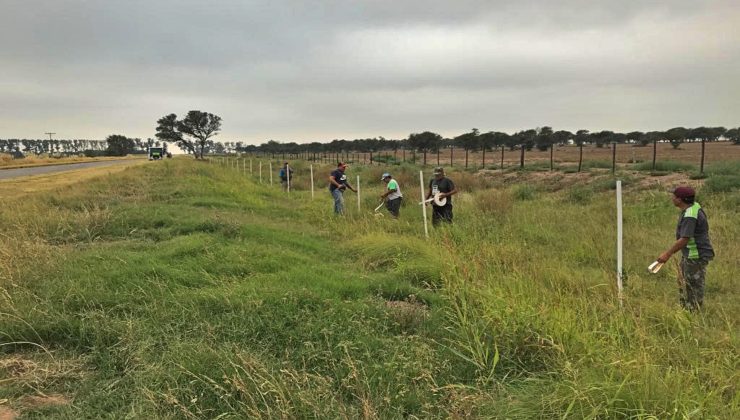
{"x": 297, "y": 70}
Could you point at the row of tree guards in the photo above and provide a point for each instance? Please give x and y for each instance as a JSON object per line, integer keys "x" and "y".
{"x": 234, "y": 163}
{"x": 384, "y": 157}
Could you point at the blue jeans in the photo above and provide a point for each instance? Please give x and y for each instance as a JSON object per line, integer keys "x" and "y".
{"x": 338, "y": 201}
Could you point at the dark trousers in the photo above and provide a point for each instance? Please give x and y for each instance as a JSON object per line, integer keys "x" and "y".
{"x": 692, "y": 287}
{"x": 394, "y": 206}
{"x": 441, "y": 214}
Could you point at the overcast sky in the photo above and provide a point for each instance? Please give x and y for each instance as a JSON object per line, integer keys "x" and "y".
{"x": 319, "y": 70}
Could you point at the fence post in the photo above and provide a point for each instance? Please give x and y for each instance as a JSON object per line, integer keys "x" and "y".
{"x": 287, "y": 176}
{"x": 270, "y": 173}
{"x": 619, "y": 242}
{"x": 311, "y": 182}
{"x": 614, "y": 157}
{"x": 260, "y": 172}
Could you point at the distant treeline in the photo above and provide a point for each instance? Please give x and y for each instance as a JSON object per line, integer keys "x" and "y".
{"x": 67, "y": 147}
{"x": 542, "y": 138}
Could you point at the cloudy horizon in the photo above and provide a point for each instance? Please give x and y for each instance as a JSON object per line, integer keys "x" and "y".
{"x": 316, "y": 71}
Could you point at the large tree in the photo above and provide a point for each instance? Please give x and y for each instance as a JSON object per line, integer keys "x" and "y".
{"x": 192, "y": 133}
{"x": 677, "y": 135}
{"x": 119, "y": 145}
{"x": 424, "y": 142}
{"x": 733, "y": 135}
{"x": 469, "y": 141}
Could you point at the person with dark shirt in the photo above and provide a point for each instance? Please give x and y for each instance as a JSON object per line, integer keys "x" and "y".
{"x": 337, "y": 183}
{"x": 286, "y": 176}
{"x": 692, "y": 239}
{"x": 442, "y": 187}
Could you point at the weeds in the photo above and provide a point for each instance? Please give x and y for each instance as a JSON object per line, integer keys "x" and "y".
{"x": 207, "y": 295}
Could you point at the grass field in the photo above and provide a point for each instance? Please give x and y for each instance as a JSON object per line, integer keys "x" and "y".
{"x": 183, "y": 289}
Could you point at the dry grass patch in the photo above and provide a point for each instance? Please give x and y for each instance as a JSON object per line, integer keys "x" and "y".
{"x": 39, "y": 183}
{"x": 7, "y": 161}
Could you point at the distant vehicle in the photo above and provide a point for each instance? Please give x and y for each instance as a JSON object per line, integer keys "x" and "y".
{"x": 156, "y": 153}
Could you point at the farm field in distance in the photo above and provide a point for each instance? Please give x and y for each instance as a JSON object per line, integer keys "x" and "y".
{"x": 687, "y": 153}
{"x": 187, "y": 289}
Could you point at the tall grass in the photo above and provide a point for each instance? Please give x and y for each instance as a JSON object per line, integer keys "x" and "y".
{"x": 188, "y": 290}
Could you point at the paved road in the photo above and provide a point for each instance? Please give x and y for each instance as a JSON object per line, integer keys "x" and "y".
{"x": 39, "y": 170}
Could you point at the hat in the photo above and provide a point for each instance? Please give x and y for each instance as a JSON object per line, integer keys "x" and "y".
{"x": 684, "y": 192}
{"x": 439, "y": 170}
{"x": 385, "y": 175}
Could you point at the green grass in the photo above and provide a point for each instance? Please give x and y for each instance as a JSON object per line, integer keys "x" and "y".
{"x": 664, "y": 166}
{"x": 187, "y": 290}
{"x": 722, "y": 177}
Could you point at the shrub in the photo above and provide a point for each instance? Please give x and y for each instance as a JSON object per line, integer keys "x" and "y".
{"x": 580, "y": 194}
{"x": 95, "y": 153}
{"x": 411, "y": 258}
{"x": 524, "y": 192}
{"x": 667, "y": 165}
{"x": 388, "y": 160}
{"x": 722, "y": 183}
{"x": 494, "y": 202}
{"x": 600, "y": 164}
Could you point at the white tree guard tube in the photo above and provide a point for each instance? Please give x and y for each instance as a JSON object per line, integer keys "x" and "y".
{"x": 423, "y": 206}
{"x": 358, "y": 194}
{"x": 311, "y": 182}
{"x": 619, "y": 242}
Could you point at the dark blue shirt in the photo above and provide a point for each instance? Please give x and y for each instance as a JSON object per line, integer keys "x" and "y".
{"x": 340, "y": 177}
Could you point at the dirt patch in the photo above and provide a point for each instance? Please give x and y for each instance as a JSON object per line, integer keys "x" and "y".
{"x": 554, "y": 181}
{"x": 15, "y": 366}
{"x": 37, "y": 401}
{"x": 8, "y": 414}
{"x": 408, "y": 313}
{"x": 664, "y": 182}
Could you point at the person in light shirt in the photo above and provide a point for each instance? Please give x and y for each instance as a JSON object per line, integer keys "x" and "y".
{"x": 392, "y": 195}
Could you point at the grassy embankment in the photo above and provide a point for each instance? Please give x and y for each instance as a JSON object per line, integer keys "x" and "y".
{"x": 183, "y": 289}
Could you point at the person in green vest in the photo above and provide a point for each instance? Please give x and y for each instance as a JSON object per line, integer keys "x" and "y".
{"x": 392, "y": 195}
{"x": 692, "y": 239}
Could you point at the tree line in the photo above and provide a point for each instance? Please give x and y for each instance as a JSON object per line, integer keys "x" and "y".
{"x": 113, "y": 145}
{"x": 542, "y": 138}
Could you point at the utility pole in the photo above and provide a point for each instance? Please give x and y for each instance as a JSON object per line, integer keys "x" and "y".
{"x": 50, "y": 145}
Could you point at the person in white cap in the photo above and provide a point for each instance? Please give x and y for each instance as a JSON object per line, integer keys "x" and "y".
{"x": 442, "y": 189}
{"x": 392, "y": 195}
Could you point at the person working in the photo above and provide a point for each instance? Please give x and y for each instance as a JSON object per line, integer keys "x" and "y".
{"x": 392, "y": 195}
{"x": 441, "y": 187}
{"x": 692, "y": 239}
{"x": 337, "y": 183}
